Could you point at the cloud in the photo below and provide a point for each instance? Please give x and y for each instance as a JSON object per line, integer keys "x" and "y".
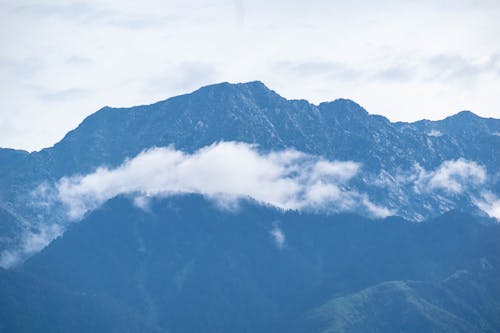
{"x": 395, "y": 72}
{"x": 31, "y": 243}
{"x": 489, "y": 203}
{"x": 227, "y": 170}
{"x": 186, "y": 75}
{"x": 417, "y": 193}
{"x": 448, "y": 67}
{"x": 66, "y": 94}
{"x": 72, "y": 10}
{"x": 332, "y": 69}
{"x": 21, "y": 69}
{"x": 239, "y": 11}
{"x": 278, "y": 236}
{"x": 88, "y": 14}
{"x": 453, "y": 177}
{"x": 79, "y": 61}
{"x": 411, "y": 68}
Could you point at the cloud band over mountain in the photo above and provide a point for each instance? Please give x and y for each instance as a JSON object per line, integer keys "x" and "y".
{"x": 288, "y": 179}
{"x": 224, "y": 171}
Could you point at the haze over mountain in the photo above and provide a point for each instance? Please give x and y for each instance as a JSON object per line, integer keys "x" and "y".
{"x": 257, "y": 213}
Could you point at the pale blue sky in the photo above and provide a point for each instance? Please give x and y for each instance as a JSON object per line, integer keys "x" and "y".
{"x": 406, "y": 60}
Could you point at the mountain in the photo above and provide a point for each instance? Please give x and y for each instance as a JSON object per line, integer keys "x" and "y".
{"x": 186, "y": 266}
{"x": 233, "y": 209}
{"x": 29, "y": 305}
{"x": 453, "y": 305}
{"x": 398, "y": 160}
{"x": 251, "y": 112}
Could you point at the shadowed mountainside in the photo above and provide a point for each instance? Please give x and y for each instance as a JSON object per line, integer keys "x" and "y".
{"x": 184, "y": 257}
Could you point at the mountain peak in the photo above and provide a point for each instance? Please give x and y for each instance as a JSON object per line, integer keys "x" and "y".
{"x": 244, "y": 87}
{"x": 253, "y": 92}
{"x": 345, "y": 109}
{"x": 465, "y": 115}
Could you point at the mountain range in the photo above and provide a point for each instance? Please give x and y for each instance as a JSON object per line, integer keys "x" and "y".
{"x": 233, "y": 209}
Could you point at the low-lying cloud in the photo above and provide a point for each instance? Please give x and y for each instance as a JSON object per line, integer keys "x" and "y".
{"x": 419, "y": 193}
{"x": 286, "y": 179}
{"x": 489, "y": 203}
{"x": 228, "y": 171}
{"x": 278, "y": 236}
{"x": 31, "y": 242}
{"x": 453, "y": 176}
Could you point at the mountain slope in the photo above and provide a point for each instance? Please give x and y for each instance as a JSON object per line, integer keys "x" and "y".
{"x": 184, "y": 256}
{"x": 412, "y": 306}
{"x": 389, "y": 153}
{"x": 252, "y": 113}
{"x": 28, "y": 305}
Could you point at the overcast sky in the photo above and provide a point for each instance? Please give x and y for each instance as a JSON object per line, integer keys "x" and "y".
{"x": 407, "y": 60}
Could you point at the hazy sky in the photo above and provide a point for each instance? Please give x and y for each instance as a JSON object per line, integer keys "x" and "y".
{"x": 407, "y": 60}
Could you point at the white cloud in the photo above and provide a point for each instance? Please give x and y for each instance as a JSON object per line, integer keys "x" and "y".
{"x": 278, "y": 236}
{"x": 224, "y": 171}
{"x": 31, "y": 242}
{"x": 489, "y": 203}
{"x": 377, "y": 210}
{"x": 418, "y": 193}
{"x": 451, "y": 176}
{"x": 228, "y": 171}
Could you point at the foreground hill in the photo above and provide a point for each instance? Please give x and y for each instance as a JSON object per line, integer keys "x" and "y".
{"x": 184, "y": 265}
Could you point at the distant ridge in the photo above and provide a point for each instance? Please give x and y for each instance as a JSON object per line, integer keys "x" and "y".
{"x": 258, "y": 91}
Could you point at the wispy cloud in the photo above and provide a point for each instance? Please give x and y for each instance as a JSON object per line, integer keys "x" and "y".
{"x": 278, "y": 236}
{"x": 413, "y": 68}
{"x": 31, "y": 242}
{"x": 79, "y": 61}
{"x": 396, "y": 73}
{"x": 239, "y": 11}
{"x": 448, "y": 67}
{"x": 489, "y": 203}
{"x": 451, "y": 176}
{"x": 286, "y": 179}
{"x": 21, "y": 69}
{"x": 227, "y": 172}
{"x": 86, "y": 13}
{"x": 64, "y": 95}
{"x": 320, "y": 68}
{"x": 186, "y": 75}
{"x": 419, "y": 193}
